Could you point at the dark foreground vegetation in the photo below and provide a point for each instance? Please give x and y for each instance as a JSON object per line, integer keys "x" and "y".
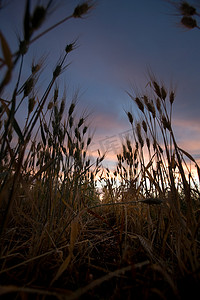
{"x": 61, "y": 237}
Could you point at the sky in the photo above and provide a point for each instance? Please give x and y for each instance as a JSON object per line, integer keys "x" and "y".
{"x": 117, "y": 43}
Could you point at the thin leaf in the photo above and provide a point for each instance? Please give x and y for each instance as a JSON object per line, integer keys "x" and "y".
{"x": 97, "y": 282}
{"x": 153, "y": 181}
{"x": 11, "y": 152}
{"x": 18, "y": 130}
{"x": 149, "y": 163}
{"x": 74, "y": 233}
{"x": 73, "y": 237}
{"x": 44, "y": 168}
{"x": 6, "y": 79}
{"x": 151, "y": 201}
{"x": 62, "y": 268}
{"x": 146, "y": 245}
{"x": 187, "y": 154}
{"x": 42, "y": 134}
{"x": 192, "y": 159}
{"x": 8, "y": 289}
{"x": 6, "y": 51}
{"x": 173, "y": 161}
{"x": 198, "y": 171}
{"x": 14, "y": 122}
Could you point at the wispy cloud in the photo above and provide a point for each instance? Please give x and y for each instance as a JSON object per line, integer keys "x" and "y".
{"x": 188, "y": 134}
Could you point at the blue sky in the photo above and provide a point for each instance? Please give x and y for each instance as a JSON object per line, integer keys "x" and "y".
{"x": 118, "y": 41}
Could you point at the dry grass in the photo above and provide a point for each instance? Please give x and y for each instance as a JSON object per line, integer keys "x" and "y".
{"x": 58, "y": 239}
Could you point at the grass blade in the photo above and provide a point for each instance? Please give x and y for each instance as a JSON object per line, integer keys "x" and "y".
{"x": 6, "y": 51}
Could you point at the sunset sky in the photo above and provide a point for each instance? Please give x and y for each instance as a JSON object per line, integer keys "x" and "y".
{"x": 118, "y": 42}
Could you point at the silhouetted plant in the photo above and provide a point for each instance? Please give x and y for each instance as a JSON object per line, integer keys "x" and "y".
{"x": 60, "y": 158}
{"x": 188, "y": 13}
{"x": 59, "y": 236}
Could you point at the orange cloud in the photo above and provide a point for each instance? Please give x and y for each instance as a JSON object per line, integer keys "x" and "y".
{"x": 187, "y": 133}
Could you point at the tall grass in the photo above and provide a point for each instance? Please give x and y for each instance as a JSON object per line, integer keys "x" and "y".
{"x": 46, "y": 176}
{"x": 157, "y": 169}
{"x": 59, "y": 236}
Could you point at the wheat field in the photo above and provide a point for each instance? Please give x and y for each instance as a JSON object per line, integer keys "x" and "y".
{"x": 61, "y": 236}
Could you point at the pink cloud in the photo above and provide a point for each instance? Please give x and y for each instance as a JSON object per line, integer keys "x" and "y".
{"x": 187, "y": 133}
{"x": 192, "y": 125}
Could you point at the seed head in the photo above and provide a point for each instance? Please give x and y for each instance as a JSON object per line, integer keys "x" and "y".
{"x": 139, "y": 135}
{"x": 148, "y": 143}
{"x": 85, "y": 130}
{"x": 77, "y": 134}
{"x": 171, "y": 97}
{"x": 35, "y": 68}
{"x": 151, "y": 108}
{"x": 80, "y": 123}
{"x": 130, "y": 117}
{"x": 189, "y": 22}
{"x": 124, "y": 151}
{"x": 62, "y": 108}
{"x": 129, "y": 145}
{"x": 89, "y": 141}
{"x": 157, "y": 89}
{"x": 144, "y": 125}
{"x": 71, "y": 109}
{"x": 81, "y": 10}
{"x": 71, "y": 121}
{"x": 28, "y": 86}
{"x": 31, "y": 104}
{"x": 82, "y": 145}
{"x": 146, "y": 100}
{"x": 55, "y": 96}
{"x": 70, "y": 47}
{"x": 57, "y": 71}
{"x": 50, "y": 105}
{"x": 139, "y": 104}
{"x": 186, "y": 9}
{"x": 138, "y": 128}
{"x": 166, "y": 124}
{"x": 158, "y": 104}
{"x": 163, "y": 93}
{"x": 38, "y": 17}
{"x": 141, "y": 141}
